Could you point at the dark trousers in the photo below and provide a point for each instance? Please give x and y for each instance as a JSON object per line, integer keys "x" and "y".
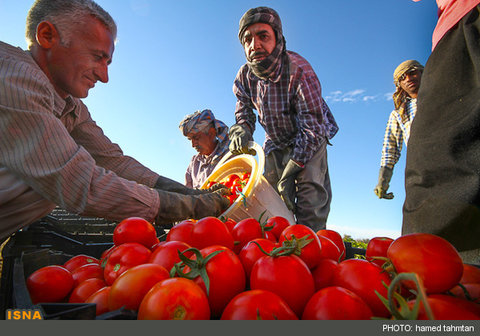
{"x": 314, "y": 193}
{"x": 442, "y": 176}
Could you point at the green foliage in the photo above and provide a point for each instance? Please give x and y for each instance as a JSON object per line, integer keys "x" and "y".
{"x": 361, "y": 243}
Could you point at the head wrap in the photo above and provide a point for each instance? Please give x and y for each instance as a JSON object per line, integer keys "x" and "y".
{"x": 201, "y": 121}
{"x": 270, "y": 64}
{"x": 400, "y": 96}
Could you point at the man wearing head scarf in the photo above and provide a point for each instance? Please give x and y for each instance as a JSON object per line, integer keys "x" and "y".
{"x": 442, "y": 171}
{"x": 209, "y": 137}
{"x": 286, "y": 93}
{"x": 406, "y": 78}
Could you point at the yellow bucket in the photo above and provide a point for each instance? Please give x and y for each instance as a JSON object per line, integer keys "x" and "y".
{"x": 259, "y": 194}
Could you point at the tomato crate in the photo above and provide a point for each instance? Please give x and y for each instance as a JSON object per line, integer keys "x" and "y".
{"x": 64, "y": 235}
{"x": 28, "y": 263}
{"x": 351, "y": 252}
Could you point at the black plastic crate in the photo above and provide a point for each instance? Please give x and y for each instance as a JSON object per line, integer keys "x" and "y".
{"x": 28, "y": 263}
{"x": 351, "y": 251}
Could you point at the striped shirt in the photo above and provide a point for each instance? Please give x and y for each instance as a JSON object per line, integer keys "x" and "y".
{"x": 290, "y": 109}
{"x": 201, "y": 166}
{"x": 53, "y": 153}
{"x": 396, "y": 133}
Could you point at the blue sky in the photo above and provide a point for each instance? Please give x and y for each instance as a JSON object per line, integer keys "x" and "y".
{"x": 173, "y": 58}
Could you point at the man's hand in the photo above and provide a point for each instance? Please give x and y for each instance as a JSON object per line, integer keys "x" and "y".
{"x": 240, "y": 136}
{"x": 286, "y": 185}
{"x": 381, "y": 193}
{"x": 384, "y": 177}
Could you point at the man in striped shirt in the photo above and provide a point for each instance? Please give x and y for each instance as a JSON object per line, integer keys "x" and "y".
{"x": 406, "y": 78}
{"x": 283, "y": 88}
{"x": 51, "y": 151}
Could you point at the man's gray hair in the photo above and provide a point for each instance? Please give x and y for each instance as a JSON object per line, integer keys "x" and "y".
{"x": 65, "y": 15}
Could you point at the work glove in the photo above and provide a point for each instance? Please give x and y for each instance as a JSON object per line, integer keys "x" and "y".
{"x": 384, "y": 177}
{"x": 175, "y": 207}
{"x": 286, "y": 185}
{"x": 240, "y": 135}
{"x": 166, "y": 184}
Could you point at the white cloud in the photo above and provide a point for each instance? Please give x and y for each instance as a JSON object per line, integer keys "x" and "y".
{"x": 355, "y": 96}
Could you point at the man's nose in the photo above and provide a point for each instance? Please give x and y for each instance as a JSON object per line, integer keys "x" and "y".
{"x": 255, "y": 44}
{"x": 101, "y": 72}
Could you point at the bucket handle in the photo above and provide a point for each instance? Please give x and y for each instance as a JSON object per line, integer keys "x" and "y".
{"x": 251, "y": 145}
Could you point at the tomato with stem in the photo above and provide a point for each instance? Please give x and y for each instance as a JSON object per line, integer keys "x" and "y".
{"x": 175, "y": 299}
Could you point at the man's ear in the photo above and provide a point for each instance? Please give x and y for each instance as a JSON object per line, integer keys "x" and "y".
{"x": 47, "y": 35}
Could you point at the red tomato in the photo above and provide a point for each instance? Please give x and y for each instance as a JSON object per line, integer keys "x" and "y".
{"x": 323, "y": 273}
{"x": 232, "y": 198}
{"x": 226, "y": 276}
{"x": 135, "y": 230}
{"x": 471, "y": 274}
{"x": 100, "y": 298}
{"x": 85, "y": 289}
{"x": 336, "y": 303}
{"x": 472, "y": 290}
{"x": 312, "y": 252}
{"x": 245, "y": 176}
{"x": 258, "y": 304}
{"x": 250, "y": 253}
{"x": 124, "y": 257}
{"x": 105, "y": 255}
{"x": 329, "y": 249}
{"x": 211, "y": 184}
{"x": 443, "y": 309}
{"x": 335, "y": 237}
{"x": 237, "y": 187}
{"x": 131, "y": 286}
{"x": 157, "y": 245}
{"x": 85, "y": 272}
{"x": 80, "y": 260}
{"x": 230, "y": 179}
{"x": 181, "y": 232}
{"x": 245, "y": 231}
{"x": 433, "y": 258}
{"x": 270, "y": 236}
{"x": 175, "y": 299}
{"x": 277, "y": 225}
{"x": 49, "y": 284}
{"x": 364, "y": 278}
{"x": 377, "y": 247}
{"x": 230, "y": 223}
{"x": 211, "y": 231}
{"x": 455, "y": 301}
{"x": 166, "y": 255}
{"x": 286, "y": 276}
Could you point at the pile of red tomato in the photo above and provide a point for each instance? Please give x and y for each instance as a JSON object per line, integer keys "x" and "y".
{"x": 214, "y": 269}
{"x": 234, "y": 182}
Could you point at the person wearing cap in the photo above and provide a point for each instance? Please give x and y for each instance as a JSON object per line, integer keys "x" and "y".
{"x": 209, "y": 137}
{"x": 286, "y": 93}
{"x": 52, "y": 151}
{"x": 406, "y": 78}
{"x": 442, "y": 172}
